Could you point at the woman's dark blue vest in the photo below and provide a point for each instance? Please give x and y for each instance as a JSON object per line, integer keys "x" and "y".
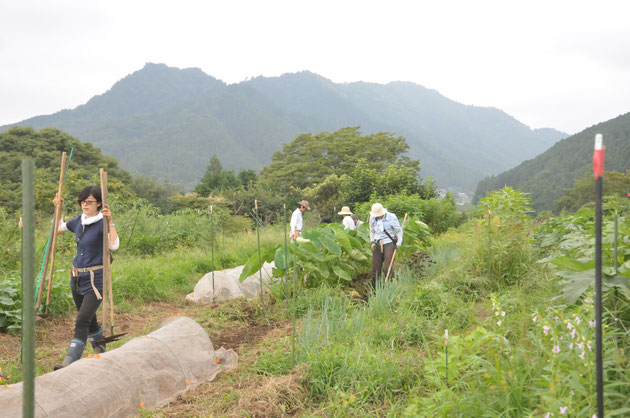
{"x": 89, "y": 253}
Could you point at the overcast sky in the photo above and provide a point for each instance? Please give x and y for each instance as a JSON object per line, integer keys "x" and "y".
{"x": 559, "y": 64}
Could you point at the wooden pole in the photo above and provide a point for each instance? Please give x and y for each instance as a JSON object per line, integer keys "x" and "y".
{"x": 58, "y": 213}
{"x": 391, "y": 263}
{"x": 107, "y": 278}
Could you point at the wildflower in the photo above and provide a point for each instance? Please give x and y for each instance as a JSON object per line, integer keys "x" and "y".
{"x": 555, "y": 349}
{"x": 582, "y": 355}
{"x": 571, "y": 346}
{"x": 547, "y": 415}
{"x": 588, "y": 345}
{"x": 581, "y": 345}
{"x": 534, "y": 318}
{"x": 570, "y": 325}
{"x": 588, "y": 300}
{"x": 577, "y": 320}
{"x": 556, "y": 319}
{"x": 499, "y": 322}
{"x": 572, "y": 393}
{"x": 563, "y": 410}
{"x": 561, "y": 337}
{"x": 592, "y": 323}
{"x": 502, "y": 313}
{"x": 573, "y": 333}
{"x": 546, "y": 329}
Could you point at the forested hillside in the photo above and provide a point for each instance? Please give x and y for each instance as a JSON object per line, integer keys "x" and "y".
{"x": 45, "y": 147}
{"x": 548, "y": 175}
{"x": 168, "y": 123}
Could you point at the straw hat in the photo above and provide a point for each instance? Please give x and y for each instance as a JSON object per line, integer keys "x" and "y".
{"x": 377, "y": 210}
{"x": 305, "y": 204}
{"x": 345, "y": 211}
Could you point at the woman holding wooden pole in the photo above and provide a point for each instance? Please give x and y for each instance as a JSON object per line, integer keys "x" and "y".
{"x": 86, "y": 279}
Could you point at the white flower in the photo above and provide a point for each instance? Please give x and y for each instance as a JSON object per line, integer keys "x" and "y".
{"x": 556, "y": 319}
{"x": 571, "y": 346}
{"x": 546, "y": 329}
{"x": 588, "y": 300}
{"x": 582, "y": 355}
{"x": 563, "y": 410}
{"x": 570, "y": 325}
{"x": 502, "y": 313}
{"x": 555, "y": 349}
{"x": 577, "y": 320}
{"x": 588, "y": 345}
{"x": 547, "y": 415}
{"x": 499, "y": 323}
{"x": 573, "y": 333}
{"x": 592, "y": 323}
{"x": 581, "y": 346}
{"x": 534, "y": 318}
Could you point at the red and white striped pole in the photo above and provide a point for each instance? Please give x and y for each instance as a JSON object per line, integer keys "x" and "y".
{"x": 598, "y": 171}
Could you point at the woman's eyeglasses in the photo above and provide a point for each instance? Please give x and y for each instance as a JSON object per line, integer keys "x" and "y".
{"x": 88, "y": 202}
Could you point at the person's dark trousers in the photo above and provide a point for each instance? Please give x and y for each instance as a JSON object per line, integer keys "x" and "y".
{"x": 380, "y": 262}
{"x": 87, "y": 305}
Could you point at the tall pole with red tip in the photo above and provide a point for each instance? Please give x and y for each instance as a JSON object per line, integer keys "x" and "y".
{"x": 598, "y": 171}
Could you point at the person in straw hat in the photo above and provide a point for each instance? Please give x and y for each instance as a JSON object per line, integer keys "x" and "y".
{"x": 385, "y": 235}
{"x": 296, "y": 220}
{"x": 347, "y": 218}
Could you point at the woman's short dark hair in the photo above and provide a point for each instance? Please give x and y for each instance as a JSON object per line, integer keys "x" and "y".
{"x": 90, "y": 191}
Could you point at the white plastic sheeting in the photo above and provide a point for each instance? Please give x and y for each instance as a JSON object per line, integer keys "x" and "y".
{"x": 145, "y": 372}
{"x": 227, "y": 285}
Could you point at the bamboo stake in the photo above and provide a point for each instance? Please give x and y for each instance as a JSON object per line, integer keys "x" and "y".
{"x": 107, "y": 278}
{"x": 391, "y": 263}
{"x": 58, "y": 209}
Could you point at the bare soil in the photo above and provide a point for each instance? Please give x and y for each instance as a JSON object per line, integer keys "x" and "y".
{"x": 233, "y": 393}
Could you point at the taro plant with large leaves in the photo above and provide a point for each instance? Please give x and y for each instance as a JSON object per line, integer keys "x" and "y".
{"x": 570, "y": 242}
{"x": 329, "y": 254}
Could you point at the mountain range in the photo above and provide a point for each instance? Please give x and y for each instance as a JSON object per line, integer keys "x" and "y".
{"x": 547, "y": 175}
{"x": 168, "y": 122}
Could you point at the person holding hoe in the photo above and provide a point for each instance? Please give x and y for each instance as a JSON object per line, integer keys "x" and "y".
{"x": 296, "y": 220}
{"x": 347, "y": 218}
{"x": 86, "y": 280}
{"x": 385, "y": 235}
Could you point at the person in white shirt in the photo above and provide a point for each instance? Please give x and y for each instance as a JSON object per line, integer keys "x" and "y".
{"x": 357, "y": 222}
{"x": 296, "y": 219}
{"x": 347, "y": 218}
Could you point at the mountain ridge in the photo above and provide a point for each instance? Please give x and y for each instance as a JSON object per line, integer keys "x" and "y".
{"x": 168, "y": 122}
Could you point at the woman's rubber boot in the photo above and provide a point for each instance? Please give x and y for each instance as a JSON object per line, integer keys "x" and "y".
{"x": 74, "y": 353}
{"x": 97, "y": 336}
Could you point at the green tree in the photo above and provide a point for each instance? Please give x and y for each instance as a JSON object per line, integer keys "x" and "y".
{"x": 309, "y": 159}
{"x": 247, "y": 177}
{"x": 216, "y": 179}
{"x": 583, "y": 192}
{"x": 45, "y": 147}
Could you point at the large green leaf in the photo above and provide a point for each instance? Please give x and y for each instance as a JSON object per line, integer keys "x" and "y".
{"x": 573, "y": 264}
{"x": 575, "y": 283}
{"x": 253, "y": 264}
{"x": 343, "y": 239}
{"x": 622, "y": 282}
{"x": 330, "y": 244}
{"x": 342, "y": 273}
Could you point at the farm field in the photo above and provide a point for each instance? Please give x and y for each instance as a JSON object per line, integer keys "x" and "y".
{"x": 513, "y": 293}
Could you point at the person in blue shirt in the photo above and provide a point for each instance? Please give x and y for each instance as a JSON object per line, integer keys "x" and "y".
{"x": 86, "y": 281}
{"x": 385, "y": 235}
